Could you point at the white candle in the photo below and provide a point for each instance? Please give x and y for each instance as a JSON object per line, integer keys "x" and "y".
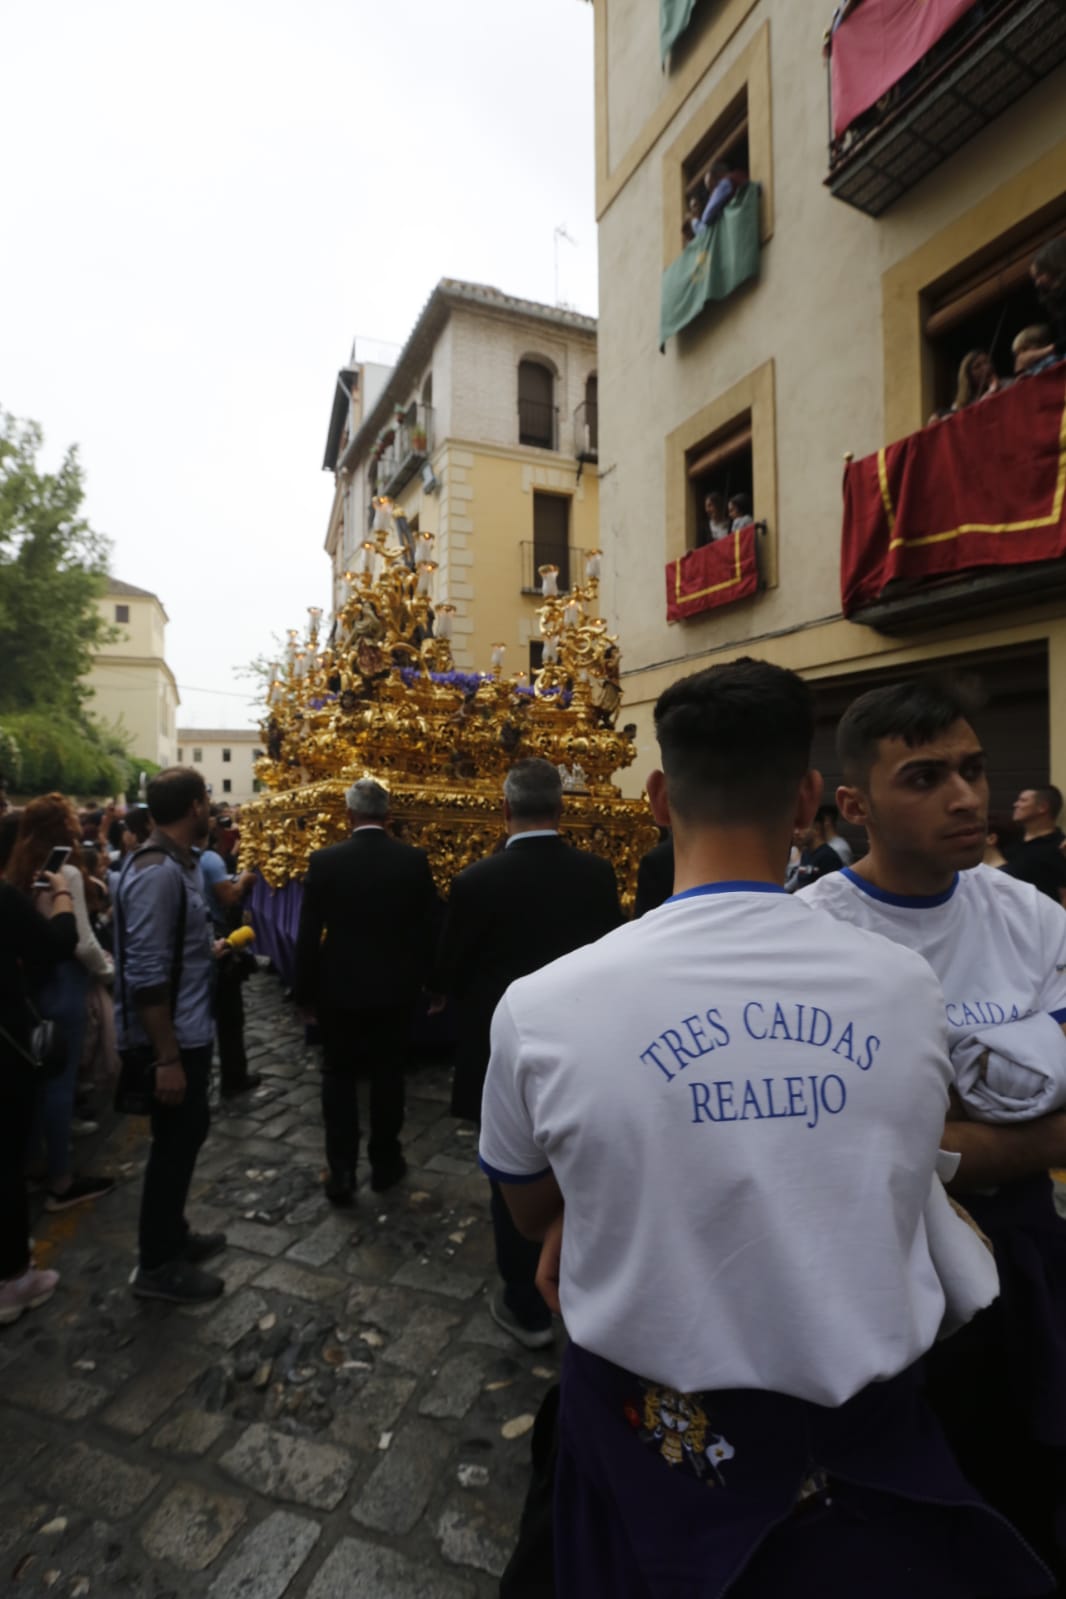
{"x": 594, "y": 564}
{"x": 550, "y": 653}
{"x": 549, "y": 581}
{"x": 572, "y": 613}
{"x": 498, "y": 653}
{"x": 442, "y": 622}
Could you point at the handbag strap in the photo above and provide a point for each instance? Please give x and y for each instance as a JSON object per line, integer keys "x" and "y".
{"x": 17, "y": 1047}
{"x": 178, "y": 959}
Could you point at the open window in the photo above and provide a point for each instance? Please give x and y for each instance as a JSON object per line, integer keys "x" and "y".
{"x": 720, "y": 473}
{"x": 536, "y": 405}
{"x": 725, "y": 144}
{"x": 983, "y": 307}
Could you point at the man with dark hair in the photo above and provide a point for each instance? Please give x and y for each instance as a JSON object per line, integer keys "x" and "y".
{"x": 655, "y": 877}
{"x": 507, "y": 915}
{"x": 367, "y": 925}
{"x": 1037, "y": 858}
{"x": 826, "y": 818}
{"x": 742, "y": 1120}
{"x": 914, "y": 778}
{"x": 1048, "y": 272}
{"x": 163, "y": 961}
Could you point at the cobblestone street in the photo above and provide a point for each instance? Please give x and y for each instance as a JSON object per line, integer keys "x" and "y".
{"x": 347, "y": 1422}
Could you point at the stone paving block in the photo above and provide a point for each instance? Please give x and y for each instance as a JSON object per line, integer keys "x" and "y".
{"x": 56, "y": 1395}
{"x": 192, "y": 1526}
{"x": 290, "y": 1468}
{"x": 237, "y": 1317}
{"x": 269, "y": 1558}
{"x": 18, "y": 1448}
{"x": 260, "y": 1238}
{"x": 356, "y": 1568}
{"x": 438, "y": 1277}
{"x": 481, "y": 1329}
{"x": 451, "y": 1165}
{"x": 190, "y": 1432}
{"x": 145, "y": 1399}
{"x": 399, "y": 1488}
{"x": 94, "y": 1480}
{"x": 18, "y": 1521}
{"x": 370, "y": 1412}
{"x": 470, "y": 1535}
{"x": 457, "y": 1385}
{"x": 423, "y": 1339}
{"x": 322, "y": 1243}
{"x": 286, "y": 1279}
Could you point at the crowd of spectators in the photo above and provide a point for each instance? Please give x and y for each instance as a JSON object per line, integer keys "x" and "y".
{"x": 1033, "y": 349}
{"x": 725, "y": 516}
{"x": 60, "y": 873}
{"x": 703, "y": 208}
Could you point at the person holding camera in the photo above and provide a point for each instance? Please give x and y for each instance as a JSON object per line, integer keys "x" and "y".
{"x": 225, "y": 895}
{"x": 165, "y": 957}
{"x": 39, "y": 938}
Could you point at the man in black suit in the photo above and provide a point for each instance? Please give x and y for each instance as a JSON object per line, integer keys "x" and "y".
{"x": 655, "y": 877}
{"x": 369, "y": 914}
{"x": 508, "y": 915}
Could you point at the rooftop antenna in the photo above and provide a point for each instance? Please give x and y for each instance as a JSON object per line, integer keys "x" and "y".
{"x": 560, "y": 233}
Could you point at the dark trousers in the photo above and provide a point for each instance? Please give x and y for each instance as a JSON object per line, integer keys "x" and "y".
{"x": 177, "y": 1133}
{"x": 372, "y": 1045}
{"x": 516, "y": 1261}
{"x": 16, "y": 1118}
{"x": 229, "y": 1024}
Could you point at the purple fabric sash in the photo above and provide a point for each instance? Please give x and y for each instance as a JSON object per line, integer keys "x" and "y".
{"x": 276, "y": 919}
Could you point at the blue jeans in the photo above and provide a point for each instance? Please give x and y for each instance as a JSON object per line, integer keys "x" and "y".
{"x": 62, "y": 998}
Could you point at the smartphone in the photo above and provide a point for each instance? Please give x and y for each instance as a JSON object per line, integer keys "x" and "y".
{"x": 53, "y": 863}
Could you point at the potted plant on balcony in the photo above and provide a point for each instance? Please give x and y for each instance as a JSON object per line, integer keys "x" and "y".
{"x": 418, "y": 439}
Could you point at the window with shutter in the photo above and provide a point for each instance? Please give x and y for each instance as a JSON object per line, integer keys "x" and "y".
{"x": 551, "y": 534}
{"x": 536, "y": 405}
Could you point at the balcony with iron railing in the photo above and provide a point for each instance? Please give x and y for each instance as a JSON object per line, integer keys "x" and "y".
{"x": 994, "y": 54}
{"x": 587, "y": 431}
{"x": 570, "y": 561}
{"x": 409, "y": 446}
{"x": 964, "y": 518}
{"x": 538, "y": 424}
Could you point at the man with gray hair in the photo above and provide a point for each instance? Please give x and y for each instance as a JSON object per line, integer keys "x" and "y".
{"x": 508, "y": 915}
{"x": 366, "y": 937}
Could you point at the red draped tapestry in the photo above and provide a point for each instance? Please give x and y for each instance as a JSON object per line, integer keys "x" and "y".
{"x": 715, "y": 574}
{"x": 985, "y": 487}
{"x": 878, "y": 44}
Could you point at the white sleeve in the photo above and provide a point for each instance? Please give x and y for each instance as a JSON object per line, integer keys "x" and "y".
{"x": 90, "y": 951}
{"x": 1052, "y": 956}
{"x": 508, "y": 1151}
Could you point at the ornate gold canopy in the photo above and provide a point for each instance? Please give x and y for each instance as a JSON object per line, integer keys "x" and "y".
{"x": 381, "y": 698}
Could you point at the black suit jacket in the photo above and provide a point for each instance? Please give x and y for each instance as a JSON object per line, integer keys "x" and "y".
{"x": 655, "y": 877}
{"x": 509, "y": 915}
{"x": 367, "y": 925}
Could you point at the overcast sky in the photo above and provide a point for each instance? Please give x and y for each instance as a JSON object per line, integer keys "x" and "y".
{"x": 202, "y": 206}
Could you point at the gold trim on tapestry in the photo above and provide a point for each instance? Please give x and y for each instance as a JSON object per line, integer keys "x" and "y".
{"x": 715, "y": 588}
{"x": 1051, "y": 520}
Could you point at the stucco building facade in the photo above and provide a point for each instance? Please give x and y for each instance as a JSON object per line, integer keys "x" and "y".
{"x": 485, "y": 435}
{"x": 869, "y": 288}
{"x": 132, "y": 686}
{"x": 225, "y": 757}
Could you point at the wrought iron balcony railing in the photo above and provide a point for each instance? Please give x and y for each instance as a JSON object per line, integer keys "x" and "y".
{"x": 587, "y": 431}
{"x": 570, "y": 561}
{"x": 538, "y": 424}
{"x": 996, "y": 52}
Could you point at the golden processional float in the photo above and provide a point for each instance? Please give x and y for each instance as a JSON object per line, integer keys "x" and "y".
{"x": 381, "y": 698}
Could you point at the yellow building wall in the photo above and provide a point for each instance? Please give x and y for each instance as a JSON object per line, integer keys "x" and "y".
{"x": 831, "y": 330}
{"x": 132, "y": 688}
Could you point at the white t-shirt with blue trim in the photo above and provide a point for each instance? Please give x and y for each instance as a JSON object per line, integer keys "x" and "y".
{"x": 998, "y": 946}
{"x": 741, "y": 1100}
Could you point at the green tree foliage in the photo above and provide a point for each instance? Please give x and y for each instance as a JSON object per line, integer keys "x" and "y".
{"x": 53, "y": 567}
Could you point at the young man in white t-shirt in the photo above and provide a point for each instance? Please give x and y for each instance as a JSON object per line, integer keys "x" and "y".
{"x": 914, "y": 778}
{"x": 739, "y": 1102}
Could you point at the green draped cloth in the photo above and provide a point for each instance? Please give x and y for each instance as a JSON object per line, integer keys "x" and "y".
{"x": 674, "y": 18}
{"x": 712, "y": 264}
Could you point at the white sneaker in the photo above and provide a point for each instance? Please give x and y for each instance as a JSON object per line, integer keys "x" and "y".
{"x": 27, "y": 1292}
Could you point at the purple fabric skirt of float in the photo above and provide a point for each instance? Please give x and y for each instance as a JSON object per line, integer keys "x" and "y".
{"x": 756, "y": 1495}
{"x": 276, "y": 919}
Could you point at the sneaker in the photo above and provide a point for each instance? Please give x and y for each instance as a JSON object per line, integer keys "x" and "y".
{"x": 201, "y": 1246}
{"x": 81, "y": 1190}
{"x": 178, "y": 1282}
{"x": 383, "y": 1177}
{"x": 249, "y": 1081}
{"x": 528, "y": 1337}
{"x": 83, "y": 1127}
{"x": 25, "y": 1293}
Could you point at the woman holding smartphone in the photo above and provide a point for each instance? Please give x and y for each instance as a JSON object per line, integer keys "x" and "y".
{"x": 50, "y": 825}
{"x": 41, "y": 939}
